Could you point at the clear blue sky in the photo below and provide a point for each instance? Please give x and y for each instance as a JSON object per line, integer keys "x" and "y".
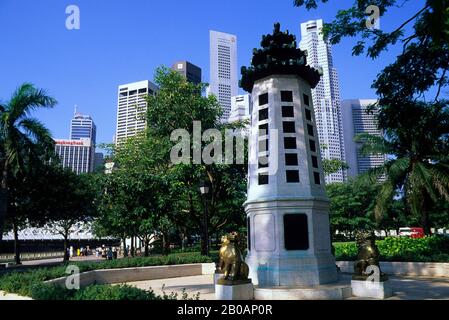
{"x": 124, "y": 41}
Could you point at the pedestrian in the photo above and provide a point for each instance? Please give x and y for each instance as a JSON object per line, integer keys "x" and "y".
{"x": 110, "y": 254}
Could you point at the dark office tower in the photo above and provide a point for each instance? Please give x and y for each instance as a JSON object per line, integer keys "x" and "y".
{"x": 190, "y": 71}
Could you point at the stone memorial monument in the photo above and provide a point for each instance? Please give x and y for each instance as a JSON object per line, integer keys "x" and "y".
{"x": 289, "y": 246}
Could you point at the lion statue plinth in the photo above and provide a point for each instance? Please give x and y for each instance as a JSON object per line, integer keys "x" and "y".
{"x": 234, "y": 269}
{"x": 367, "y": 263}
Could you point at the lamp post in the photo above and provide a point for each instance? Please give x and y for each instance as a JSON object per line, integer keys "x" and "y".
{"x": 204, "y": 189}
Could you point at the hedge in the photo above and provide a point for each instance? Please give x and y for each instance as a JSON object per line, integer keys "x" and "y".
{"x": 44, "y": 291}
{"x": 23, "y": 283}
{"x": 428, "y": 249}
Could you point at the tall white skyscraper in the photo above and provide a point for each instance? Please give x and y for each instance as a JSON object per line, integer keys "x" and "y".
{"x": 223, "y": 69}
{"x": 357, "y": 120}
{"x": 240, "y": 108}
{"x": 326, "y": 95}
{"x": 131, "y": 109}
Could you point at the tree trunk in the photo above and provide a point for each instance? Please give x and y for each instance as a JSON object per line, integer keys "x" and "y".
{"x": 125, "y": 252}
{"x": 3, "y": 200}
{"x": 16, "y": 244}
{"x": 147, "y": 246}
{"x": 132, "y": 247}
{"x": 182, "y": 236}
{"x": 425, "y": 222}
{"x": 165, "y": 244}
{"x": 66, "y": 245}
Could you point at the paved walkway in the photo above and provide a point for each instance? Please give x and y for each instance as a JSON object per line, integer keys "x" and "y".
{"x": 404, "y": 288}
{"x": 10, "y": 296}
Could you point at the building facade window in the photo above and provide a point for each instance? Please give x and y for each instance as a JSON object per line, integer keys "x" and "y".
{"x": 263, "y": 130}
{"x": 308, "y": 114}
{"x": 316, "y": 177}
{"x": 291, "y": 159}
{"x": 306, "y": 99}
{"x": 292, "y": 176}
{"x": 315, "y": 162}
{"x": 286, "y": 96}
{"x": 263, "y": 99}
{"x": 288, "y": 126}
{"x": 287, "y": 112}
{"x": 263, "y": 114}
{"x": 310, "y": 130}
{"x": 263, "y": 145}
{"x": 263, "y": 178}
{"x": 312, "y": 145}
{"x": 290, "y": 143}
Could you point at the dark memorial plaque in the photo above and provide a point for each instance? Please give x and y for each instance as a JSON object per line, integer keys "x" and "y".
{"x": 296, "y": 234}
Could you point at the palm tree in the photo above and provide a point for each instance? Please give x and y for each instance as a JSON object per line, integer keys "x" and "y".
{"x": 417, "y": 139}
{"x": 24, "y": 141}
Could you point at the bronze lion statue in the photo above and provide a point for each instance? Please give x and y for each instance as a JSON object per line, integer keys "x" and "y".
{"x": 231, "y": 263}
{"x": 368, "y": 257}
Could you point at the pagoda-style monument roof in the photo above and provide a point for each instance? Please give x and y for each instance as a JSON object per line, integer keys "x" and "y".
{"x": 279, "y": 55}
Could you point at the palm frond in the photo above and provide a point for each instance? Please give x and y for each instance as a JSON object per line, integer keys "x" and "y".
{"x": 421, "y": 178}
{"x": 440, "y": 173}
{"x": 384, "y": 199}
{"x": 36, "y": 129}
{"x": 26, "y": 99}
{"x": 397, "y": 169}
{"x": 372, "y": 144}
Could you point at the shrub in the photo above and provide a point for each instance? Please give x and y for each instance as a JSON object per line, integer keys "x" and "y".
{"x": 428, "y": 249}
{"x": 345, "y": 251}
{"x": 30, "y": 282}
{"x": 108, "y": 292}
{"x": 44, "y": 291}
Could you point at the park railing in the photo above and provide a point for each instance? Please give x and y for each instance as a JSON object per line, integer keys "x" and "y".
{"x": 32, "y": 256}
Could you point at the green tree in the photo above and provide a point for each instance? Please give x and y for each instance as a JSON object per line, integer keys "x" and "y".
{"x": 50, "y": 197}
{"x": 415, "y": 124}
{"x": 24, "y": 141}
{"x": 351, "y": 206}
{"x": 176, "y": 106}
{"x": 137, "y": 195}
{"x": 70, "y": 202}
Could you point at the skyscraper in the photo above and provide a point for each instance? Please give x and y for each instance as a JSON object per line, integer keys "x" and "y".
{"x": 240, "y": 108}
{"x": 188, "y": 70}
{"x": 357, "y": 120}
{"x": 131, "y": 109}
{"x": 326, "y": 96}
{"x": 75, "y": 154}
{"x": 82, "y": 126}
{"x": 223, "y": 69}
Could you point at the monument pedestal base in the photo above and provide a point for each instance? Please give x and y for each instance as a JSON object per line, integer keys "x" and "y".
{"x": 368, "y": 289}
{"x": 234, "y": 292}
{"x": 337, "y": 291}
{"x": 217, "y": 275}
